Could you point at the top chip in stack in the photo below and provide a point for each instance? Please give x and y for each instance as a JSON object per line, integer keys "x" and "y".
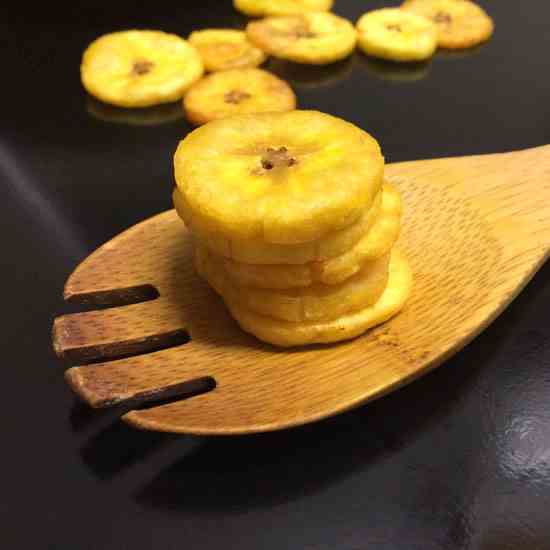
{"x": 294, "y": 224}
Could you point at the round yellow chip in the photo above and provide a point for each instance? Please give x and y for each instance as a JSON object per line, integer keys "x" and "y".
{"x": 396, "y": 35}
{"x": 237, "y": 92}
{"x": 313, "y": 303}
{"x": 258, "y": 252}
{"x": 223, "y": 49}
{"x": 377, "y": 241}
{"x": 312, "y": 38}
{"x": 286, "y": 334}
{"x": 279, "y": 178}
{"x": 261, "y": 8}
{"x": 460, "y": 23}
{"x": 139, "y": 68}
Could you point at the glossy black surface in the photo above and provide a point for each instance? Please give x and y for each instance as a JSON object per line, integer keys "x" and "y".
{"x": 457, "y": 460}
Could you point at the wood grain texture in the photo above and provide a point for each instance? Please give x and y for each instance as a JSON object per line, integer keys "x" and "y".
{"x": 476, "y": 229}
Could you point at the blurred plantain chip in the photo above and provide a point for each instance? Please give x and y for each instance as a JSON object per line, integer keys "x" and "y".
{"x": 223, "y": 49}
{"x": 140, "y": 68}
{"x": 262, "y": 8}
{"x": 460, "y": 23}
{"x": 397, "y": 35}
{"x": 237, "y": 92}
{"x": 311, "y": 38}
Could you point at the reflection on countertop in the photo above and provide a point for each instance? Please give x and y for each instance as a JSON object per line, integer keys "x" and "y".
{"x": 149, "y": 116}
{"x": 449, "y": 55}
{"x": 393, "y": 71}
{"x": 310, "y": 76}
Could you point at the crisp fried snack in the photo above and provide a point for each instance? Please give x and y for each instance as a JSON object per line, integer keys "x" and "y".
{"x": 139, "y": 68}
{"x": 314, "y": 303}
{"x": 312, "y": 38}
{"x": 286, "y": 334}
{"x": 261, "y": 8}
{"x": 257, "y": 252}
{"x": 460, "y": 23}
{"x": 280, "y": 178}
{"x": 237, "y": 92}
{"x": 397, "y": 35}
{"x": 377, "y": 241}
{"x": 223, "y": 49}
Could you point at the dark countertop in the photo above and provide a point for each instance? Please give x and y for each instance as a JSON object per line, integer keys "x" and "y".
{"x": 458, "y": 460}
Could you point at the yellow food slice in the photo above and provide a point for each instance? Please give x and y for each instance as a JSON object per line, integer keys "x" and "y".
{"x": 258, "y": 252}
{"x": 312, "y": 38}
{"x": 397, "y": 35}
{"x": 261, "y": 8}
{"x": 281, "y": 178}
{"x": 314, "y": 303}
{"x": 377, "y": 241}
{"x": 223, "y": 49}
{"x": 460, "y": 23}
{"x": 237, "y": 92}
{"x": 139, "y": 68}
{"x": 286, "y": 334}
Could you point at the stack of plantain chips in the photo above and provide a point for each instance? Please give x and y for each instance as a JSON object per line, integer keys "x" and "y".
{"x": 294, "y": 224}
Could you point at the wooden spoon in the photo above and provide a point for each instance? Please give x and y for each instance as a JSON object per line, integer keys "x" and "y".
{"x": 476, "y": 229}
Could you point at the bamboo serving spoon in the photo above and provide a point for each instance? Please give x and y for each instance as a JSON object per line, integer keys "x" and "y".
{"x": 476, "y": 229}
